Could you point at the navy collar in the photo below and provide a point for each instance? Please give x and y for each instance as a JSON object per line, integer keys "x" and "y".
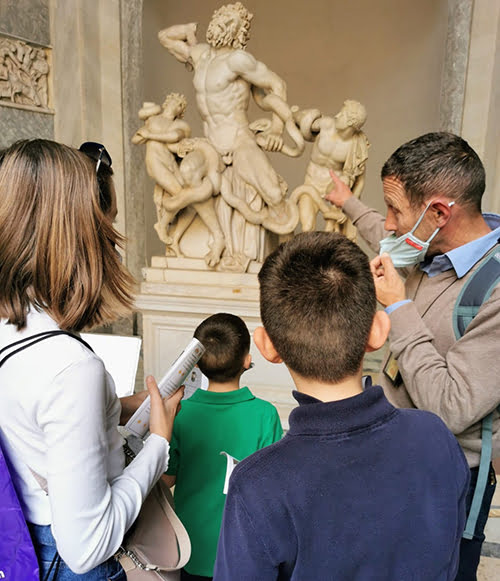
{"x": 363, "y": 411}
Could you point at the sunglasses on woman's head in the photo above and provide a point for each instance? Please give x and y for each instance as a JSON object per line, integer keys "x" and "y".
{"x": 97, "y": 152}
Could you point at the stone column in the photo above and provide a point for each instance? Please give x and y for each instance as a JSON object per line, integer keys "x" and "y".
{"x": 87, "y": 81}
{"x": 134, "y": 169}
{"x": 470, "y": 92}
{"x": 455, "y": 65}
{"x": 481, "y": 113}
{"x": 97, "y": 93}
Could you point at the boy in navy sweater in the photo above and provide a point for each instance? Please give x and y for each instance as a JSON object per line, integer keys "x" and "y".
{"x": 357, "y": 490}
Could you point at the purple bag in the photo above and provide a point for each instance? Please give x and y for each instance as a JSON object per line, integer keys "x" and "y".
{"x": 18, "y": 560}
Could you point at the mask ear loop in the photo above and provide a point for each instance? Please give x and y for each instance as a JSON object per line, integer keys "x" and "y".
{"x": 431, "y": 237}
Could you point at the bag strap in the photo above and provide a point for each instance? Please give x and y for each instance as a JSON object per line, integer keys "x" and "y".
{"x": 33, "y": 339}
{"x": 482, "y": 476}
{"x": 476, "y": 290}
{"x": 183, "y": 541}
{"x": 128, "y": 557}
{"x": 24, "y": 344}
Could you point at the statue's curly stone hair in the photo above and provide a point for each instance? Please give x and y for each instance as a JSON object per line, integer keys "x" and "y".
{"x": 245, "y": 17}
{"x": 357, "y": 113}
{"x": 176, "y": 97}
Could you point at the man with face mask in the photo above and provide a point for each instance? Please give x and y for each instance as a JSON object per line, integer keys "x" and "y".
{"x": 435, "y": 232}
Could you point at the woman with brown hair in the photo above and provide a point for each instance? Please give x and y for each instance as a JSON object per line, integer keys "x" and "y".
{"x": 60, "y": 271}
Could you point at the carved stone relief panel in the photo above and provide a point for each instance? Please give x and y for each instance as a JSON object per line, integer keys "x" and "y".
{"x": 24, "y": 75}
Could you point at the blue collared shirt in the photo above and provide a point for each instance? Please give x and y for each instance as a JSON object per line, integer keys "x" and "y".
{"x": 462, "y": 258}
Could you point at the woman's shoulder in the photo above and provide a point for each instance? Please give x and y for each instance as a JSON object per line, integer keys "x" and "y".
{"x": 44, "y": 358}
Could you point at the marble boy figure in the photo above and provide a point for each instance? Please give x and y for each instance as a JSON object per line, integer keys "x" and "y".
{"x": 225, "y": 75}
{"x": 339, "y": 144}
{"x": 181, "y": 189}
{"x": 163, "y": 126}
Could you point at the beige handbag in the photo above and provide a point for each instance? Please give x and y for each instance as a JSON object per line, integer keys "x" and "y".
{"x": 157, "y": 546}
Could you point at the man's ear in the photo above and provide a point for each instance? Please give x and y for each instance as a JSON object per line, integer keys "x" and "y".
{"x": 441, "y": 212}
{"x": 379, "y": 332}
{"x": 265, "y": 345}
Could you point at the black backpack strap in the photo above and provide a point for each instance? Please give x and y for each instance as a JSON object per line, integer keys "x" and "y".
{"x": 33, "y": 339}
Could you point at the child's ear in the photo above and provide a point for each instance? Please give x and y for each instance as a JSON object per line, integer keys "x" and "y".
{"x": 379, "y": 332}
{"x": 247, "y": 361}
{"x": 265, "y": 345}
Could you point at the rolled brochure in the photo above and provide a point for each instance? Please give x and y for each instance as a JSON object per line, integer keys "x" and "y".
{"x": 138, "y": 424}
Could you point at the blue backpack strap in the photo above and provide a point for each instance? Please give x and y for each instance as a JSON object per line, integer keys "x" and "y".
{"x": 482, "y": 476}
{"x": 475, "y": 292}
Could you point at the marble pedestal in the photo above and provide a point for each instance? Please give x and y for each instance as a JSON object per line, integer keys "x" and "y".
{"x": 174, "y": 300}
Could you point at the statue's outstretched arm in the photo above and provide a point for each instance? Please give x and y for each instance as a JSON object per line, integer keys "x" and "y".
{"x": 178, "y": 40}
{"x": 173, "y": 135}
{"x": 269, "y": 140}
{"x": 138, "y": 137}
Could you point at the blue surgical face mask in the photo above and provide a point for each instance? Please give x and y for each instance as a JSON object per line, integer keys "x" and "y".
{"x": 407, "y": 250}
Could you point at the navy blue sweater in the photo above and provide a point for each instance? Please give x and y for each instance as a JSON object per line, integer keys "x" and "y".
{"x": 357, "y": 490}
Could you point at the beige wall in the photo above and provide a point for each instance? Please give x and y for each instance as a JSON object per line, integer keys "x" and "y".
{"x": 481, "y": 114}
{"x": 387, "y": 54}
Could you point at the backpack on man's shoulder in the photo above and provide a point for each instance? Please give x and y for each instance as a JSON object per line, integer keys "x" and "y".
{"x": 477, "y": 290}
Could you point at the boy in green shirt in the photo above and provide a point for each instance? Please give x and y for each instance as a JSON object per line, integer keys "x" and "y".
{"x": 224, "y": 418}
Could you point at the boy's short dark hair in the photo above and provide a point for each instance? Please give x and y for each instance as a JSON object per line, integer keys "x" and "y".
{"x": 438, "y": 164}
{"x": 317, "y": 303}
{"x": 227, "y": 342}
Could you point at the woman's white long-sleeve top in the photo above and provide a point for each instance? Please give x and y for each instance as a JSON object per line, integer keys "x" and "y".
{"x": 58, "y": 417}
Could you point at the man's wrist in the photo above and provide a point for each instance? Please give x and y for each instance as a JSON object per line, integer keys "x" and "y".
{"x": 346, "y": 204}
{"x": 346, "y": 199}
{"x": 390, "y": 308}
{"x": 340, "y": 202}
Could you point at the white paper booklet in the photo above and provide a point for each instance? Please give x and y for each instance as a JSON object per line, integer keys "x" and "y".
{"x": 121, "y": 357}
{"x": 138, "y": 424}
{"x": 195, "y": 380}
{"x": 231, "y": 463}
